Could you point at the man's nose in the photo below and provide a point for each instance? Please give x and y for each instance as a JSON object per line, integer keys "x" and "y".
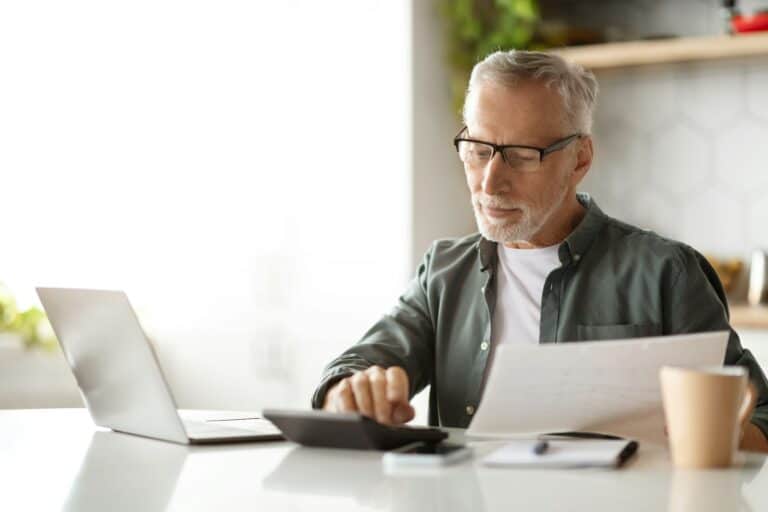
{"x": 496, "y": 175}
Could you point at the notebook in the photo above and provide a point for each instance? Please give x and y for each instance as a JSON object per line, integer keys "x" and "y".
{"x": 605, "y": 453}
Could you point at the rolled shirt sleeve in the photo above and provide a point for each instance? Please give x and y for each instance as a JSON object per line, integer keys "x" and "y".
{"x": 405, "y": 337}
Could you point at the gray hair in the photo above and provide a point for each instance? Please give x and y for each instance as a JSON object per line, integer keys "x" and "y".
{"x": 576, "y": 85}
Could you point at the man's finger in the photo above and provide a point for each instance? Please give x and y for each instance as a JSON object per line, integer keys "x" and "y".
{"x": 329, "y": 402}
{"x": 344, "y": 400}
{"x": 748, "y": 406}
{"x": 381, "y": 406}
{"x": 397, "y": 385}
{"x": 361, "y": 389}
{"x": 403, "y": 413}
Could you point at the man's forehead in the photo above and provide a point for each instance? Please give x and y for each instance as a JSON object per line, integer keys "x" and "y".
{"x": 505, "y": 111}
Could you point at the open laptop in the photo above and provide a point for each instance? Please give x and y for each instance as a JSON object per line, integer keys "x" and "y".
{"x": 119, "y": 375}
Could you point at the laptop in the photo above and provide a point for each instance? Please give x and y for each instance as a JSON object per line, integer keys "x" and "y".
{"x": 119, "y": 374}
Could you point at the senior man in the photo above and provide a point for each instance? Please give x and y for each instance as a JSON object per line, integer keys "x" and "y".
{"x": 547, "y": 266}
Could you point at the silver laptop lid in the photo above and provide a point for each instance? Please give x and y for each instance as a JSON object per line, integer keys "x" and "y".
{"x": 114, "y": 365}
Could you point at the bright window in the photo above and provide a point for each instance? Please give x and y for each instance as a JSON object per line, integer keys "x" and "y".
{"x": 241, "y": 169}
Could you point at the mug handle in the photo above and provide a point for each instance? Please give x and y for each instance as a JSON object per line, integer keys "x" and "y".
{"x": 748, "y": 404}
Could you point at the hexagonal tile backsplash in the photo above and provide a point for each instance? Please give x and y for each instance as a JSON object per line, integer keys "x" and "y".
{"x": 683, "y": 150}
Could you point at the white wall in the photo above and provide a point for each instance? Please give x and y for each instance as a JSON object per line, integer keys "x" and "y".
{"x": 441, "y": 204}
{"x": 678, "y": 150}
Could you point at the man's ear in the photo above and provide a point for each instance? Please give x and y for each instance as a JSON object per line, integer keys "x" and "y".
{"x": 584, "y": 155}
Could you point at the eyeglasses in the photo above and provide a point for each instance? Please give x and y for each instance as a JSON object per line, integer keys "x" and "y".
{"x": 476, "y": 154}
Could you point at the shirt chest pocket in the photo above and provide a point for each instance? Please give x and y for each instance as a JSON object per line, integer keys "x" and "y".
{"x": 616, "y": 331}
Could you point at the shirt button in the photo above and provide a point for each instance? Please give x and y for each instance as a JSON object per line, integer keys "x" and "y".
{"x": 484, "y": 345}
{"x": 470, "y": 410}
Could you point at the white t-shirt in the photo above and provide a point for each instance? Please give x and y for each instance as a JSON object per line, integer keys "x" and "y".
{"x": 520, "y": 277}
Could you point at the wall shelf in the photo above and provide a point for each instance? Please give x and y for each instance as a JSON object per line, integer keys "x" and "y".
{"x": 686, "y": 49}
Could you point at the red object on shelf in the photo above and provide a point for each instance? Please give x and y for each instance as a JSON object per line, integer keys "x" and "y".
{"x": 753, "y": 23}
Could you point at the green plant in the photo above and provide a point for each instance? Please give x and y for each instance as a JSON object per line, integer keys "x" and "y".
{"x": 475, "y": 28}
{"x": 31, "y": 325}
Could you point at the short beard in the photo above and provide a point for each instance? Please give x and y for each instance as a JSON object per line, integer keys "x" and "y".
{"x": 532, "y": 218}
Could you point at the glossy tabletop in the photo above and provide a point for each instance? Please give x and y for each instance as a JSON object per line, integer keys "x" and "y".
{"x": 56, "y": 459}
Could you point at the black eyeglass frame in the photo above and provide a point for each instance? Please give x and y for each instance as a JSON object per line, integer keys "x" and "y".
{"x": 499, "y": 148}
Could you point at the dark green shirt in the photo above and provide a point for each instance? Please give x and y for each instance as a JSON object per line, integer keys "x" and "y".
{"x": 615, "y": 281}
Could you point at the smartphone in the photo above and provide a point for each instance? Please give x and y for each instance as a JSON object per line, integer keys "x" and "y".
{"x": 426, "y": 454}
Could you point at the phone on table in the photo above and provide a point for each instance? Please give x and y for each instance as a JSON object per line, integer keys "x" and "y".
{"x": 422, "y": 454}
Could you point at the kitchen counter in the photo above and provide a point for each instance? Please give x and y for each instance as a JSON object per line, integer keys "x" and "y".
{"x": 749, "y": 317}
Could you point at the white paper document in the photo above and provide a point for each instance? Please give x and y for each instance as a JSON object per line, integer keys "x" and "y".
{"x": 597, "y": 386}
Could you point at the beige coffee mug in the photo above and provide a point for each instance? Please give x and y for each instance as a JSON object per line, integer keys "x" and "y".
{"x": 704, "y": 408}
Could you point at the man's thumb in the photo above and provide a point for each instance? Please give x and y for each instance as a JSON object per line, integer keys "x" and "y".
{"x": 403, "y": 413}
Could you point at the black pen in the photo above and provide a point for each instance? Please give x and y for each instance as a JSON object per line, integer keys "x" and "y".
{"x": 540, "y": 447}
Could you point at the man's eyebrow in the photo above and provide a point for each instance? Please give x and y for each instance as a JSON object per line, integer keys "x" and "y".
{"x": 481, "y": 139}
{"x": 467, "y": 135}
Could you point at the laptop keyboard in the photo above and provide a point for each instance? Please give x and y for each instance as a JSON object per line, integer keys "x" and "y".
{"x": 206, "y": 429}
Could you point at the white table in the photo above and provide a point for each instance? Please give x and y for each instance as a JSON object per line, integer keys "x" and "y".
{"x": 57, "y": 460}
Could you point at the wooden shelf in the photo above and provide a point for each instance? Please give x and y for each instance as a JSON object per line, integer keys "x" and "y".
{"x": 749, "y": 317}
{"x": 639, "y": 53}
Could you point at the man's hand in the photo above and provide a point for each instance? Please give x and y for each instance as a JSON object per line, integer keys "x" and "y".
{"x": 752, "y": 437}
{"x": 377, "y": 393}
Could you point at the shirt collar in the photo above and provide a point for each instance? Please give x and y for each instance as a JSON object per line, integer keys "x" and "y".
{"x": 572, "y": 248}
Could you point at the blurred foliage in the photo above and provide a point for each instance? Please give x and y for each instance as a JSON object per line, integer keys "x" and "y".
{"x": 30, "y": 325}
{"x": 475, "y": 28}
